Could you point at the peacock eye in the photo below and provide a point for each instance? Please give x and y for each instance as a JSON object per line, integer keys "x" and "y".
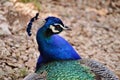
{"x": 57, "y": 26}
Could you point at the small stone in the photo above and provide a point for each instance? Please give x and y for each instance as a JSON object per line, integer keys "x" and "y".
{"x": 4, "y": 52}
{"x": 4, "y": 29}
{"x": 8, "y": 68}
{"x": 13, "y": 54}
{"x": 8, "y": 4}
{"x": 2, "y": 18}
{"x": 1, "y": 72}
{"x": 17, "y": 45}
{"x": 30, "y": 63}
{"x": 25, "y": 58}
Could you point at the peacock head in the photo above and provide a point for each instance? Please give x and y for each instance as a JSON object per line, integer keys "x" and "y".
{"x": 52, "y": 25}
{"x": 55, "y": 25}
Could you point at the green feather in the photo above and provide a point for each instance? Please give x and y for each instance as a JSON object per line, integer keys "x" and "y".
{"x": 66, "y": 70}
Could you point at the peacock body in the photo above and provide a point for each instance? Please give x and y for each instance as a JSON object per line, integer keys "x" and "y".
{"x": 58, "y": 60}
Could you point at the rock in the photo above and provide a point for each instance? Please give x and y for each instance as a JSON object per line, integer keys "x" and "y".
{"x": 4, "y": 29}
{"x": 4, "y": 52}
{"x": 1, "y": 72}
{"x": 30, "y": 63}
{"x": 2, "y": 17}
{"x": 24, "y": 58}
{"x": 8, "y": 4}
{"x": 4, "y": 26}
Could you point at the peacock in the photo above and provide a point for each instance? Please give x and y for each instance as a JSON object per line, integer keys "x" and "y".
{"x": 58, "y": 60}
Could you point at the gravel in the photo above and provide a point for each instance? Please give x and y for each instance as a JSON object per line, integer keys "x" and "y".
{"x": 95, "y": 33}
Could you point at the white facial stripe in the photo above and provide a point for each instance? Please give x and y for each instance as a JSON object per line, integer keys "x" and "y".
{"x": 60, "y": 26}
{"x": 53, "y": 29}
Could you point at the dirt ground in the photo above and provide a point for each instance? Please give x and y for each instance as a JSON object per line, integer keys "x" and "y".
{"x": 95, "y": 32}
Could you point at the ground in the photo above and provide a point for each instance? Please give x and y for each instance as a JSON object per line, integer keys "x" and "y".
{"x": 95, "y": 32}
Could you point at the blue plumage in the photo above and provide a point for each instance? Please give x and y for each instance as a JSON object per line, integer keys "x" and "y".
{"x": 52, "y": 46}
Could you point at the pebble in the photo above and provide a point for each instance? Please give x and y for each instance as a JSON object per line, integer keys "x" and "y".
{"x": 4, "y": 29}
{"x": 24, "y": 58}
{"x": 8, "y": 4}
{"x": 30, "y": 63}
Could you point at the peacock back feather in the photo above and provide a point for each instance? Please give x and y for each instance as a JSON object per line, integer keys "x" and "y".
{"x": 66, "y": 70}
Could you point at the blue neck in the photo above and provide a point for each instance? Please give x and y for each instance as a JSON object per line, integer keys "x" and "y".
{"x": 54, "y": 48}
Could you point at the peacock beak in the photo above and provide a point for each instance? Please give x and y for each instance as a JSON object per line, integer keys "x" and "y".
{"x": 63, "y": 27}
{"x": 67, "y": 28}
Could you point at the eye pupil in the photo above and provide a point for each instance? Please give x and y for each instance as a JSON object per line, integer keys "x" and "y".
{"x": 57, "y": 26}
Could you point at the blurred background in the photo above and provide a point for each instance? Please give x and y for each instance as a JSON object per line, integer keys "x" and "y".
{"x": 95, "y": 32}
